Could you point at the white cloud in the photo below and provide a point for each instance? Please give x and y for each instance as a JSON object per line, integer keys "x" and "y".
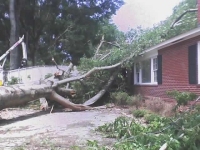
{"x": 143, "y": 13}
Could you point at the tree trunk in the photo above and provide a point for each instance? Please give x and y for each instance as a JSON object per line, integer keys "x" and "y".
{"x": 12, "y": 96}
{"x": 14, "y": 33}
{"x": 16, "y": 95}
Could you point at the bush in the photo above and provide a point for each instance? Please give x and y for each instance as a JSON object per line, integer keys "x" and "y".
{"x": 155, "y": 104}
{"x": 197, "y": 108}
{"x": 182, "y": 98}
{"x": 136, "y": 101}
{"x": 14, "y": 80}
{"x": 151, "y": 117}
{"x": 121, "y": 98}
{"x": 139, "y": 113}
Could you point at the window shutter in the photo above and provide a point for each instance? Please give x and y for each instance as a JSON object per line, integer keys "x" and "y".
{"x": 192, "y": 64}
{"x": 132, "y": 75}
{"x": 159, "y": 71}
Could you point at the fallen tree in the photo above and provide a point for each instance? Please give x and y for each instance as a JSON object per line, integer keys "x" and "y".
{"x": 55, "y": 89}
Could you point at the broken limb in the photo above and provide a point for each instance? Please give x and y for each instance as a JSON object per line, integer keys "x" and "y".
{"x": 116, "y": 45}
{"x": 86, "y": 74}
{"x": 67, "y": 72}
{"x": 67, "y": 80}
{"x": 12, "y": 48}
{"x": 64, "y": 91}
{"x": 56, "y": 77}
{"x": 183, "y": 14}
{"x": 102, "y": 92}
{"x": 100, "y": 44}
{"x": 103, "y": 57}
{"x": 66, "y": 103}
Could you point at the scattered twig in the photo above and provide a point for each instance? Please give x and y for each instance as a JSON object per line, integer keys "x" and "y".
{"x": 116, "y": 45}
{"x": 102, "y": 58}
{"x": 53, "y": 60}
{"x": 51, "y": 109}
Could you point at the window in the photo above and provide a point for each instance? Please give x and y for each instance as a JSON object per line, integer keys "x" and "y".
{"x": 146, "y": 71}
{"x": 137, "y": 72}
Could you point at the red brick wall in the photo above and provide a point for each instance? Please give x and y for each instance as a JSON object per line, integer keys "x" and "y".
{"x": 174, "y": 72}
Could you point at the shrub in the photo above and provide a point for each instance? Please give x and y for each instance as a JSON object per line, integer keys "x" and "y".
{"x": 151, "y": 117}
{"x": 182, "y": 98}
{"x": 14, "y": 80}
{"x": 197, "y": 108}
{"x": 155, "y": 104}
{"x": 121, "y": 98}
{"x": 139, "y": 113}
{"x": 136, "y": 101}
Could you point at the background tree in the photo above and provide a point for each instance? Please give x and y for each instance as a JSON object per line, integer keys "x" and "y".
{"x": 62, "y": 28}
{"x": 14, "y": 33}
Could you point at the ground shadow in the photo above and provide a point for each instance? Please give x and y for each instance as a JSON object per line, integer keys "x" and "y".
{"x": 27, "y": 116}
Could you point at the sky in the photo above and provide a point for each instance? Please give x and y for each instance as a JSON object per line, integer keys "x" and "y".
{"x": 143, "y": 13}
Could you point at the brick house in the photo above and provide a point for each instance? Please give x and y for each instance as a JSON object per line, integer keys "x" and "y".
{"x": 170, "y": 65}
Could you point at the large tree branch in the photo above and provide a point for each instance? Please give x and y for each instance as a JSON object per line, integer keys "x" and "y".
{"x": 86, "y": 74}
{"x": 183, "y": 14}
{"x": 66, "y": 103}
{"x": 100, "y": 44}
{"x": 64, "y": 81}
{"x": 102, "y": 92}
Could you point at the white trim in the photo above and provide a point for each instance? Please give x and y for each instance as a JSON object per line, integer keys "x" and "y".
{"x": 146, "y": 84}
{"x": 140, "y": 73}
{"x": 146, "y": 56}
{"x": 198, "y": 61}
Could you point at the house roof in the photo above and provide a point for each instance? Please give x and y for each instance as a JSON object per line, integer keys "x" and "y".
{"x": 182, "y": 37}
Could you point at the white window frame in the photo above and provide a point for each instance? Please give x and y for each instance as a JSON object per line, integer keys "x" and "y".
{"x": 140, "y": 72}
{"x": 154, "y": 69}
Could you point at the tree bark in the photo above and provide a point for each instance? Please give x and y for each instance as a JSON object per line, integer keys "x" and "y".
{"x": 14, "y": 33}
{"x": 12, "y": 96}
{"x": 66, "y": 103}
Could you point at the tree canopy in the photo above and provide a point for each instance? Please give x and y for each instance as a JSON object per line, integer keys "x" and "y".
{"x": 61, "y": 28}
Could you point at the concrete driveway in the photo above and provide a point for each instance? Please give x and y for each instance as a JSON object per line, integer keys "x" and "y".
{"x": 59, "y": 130}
